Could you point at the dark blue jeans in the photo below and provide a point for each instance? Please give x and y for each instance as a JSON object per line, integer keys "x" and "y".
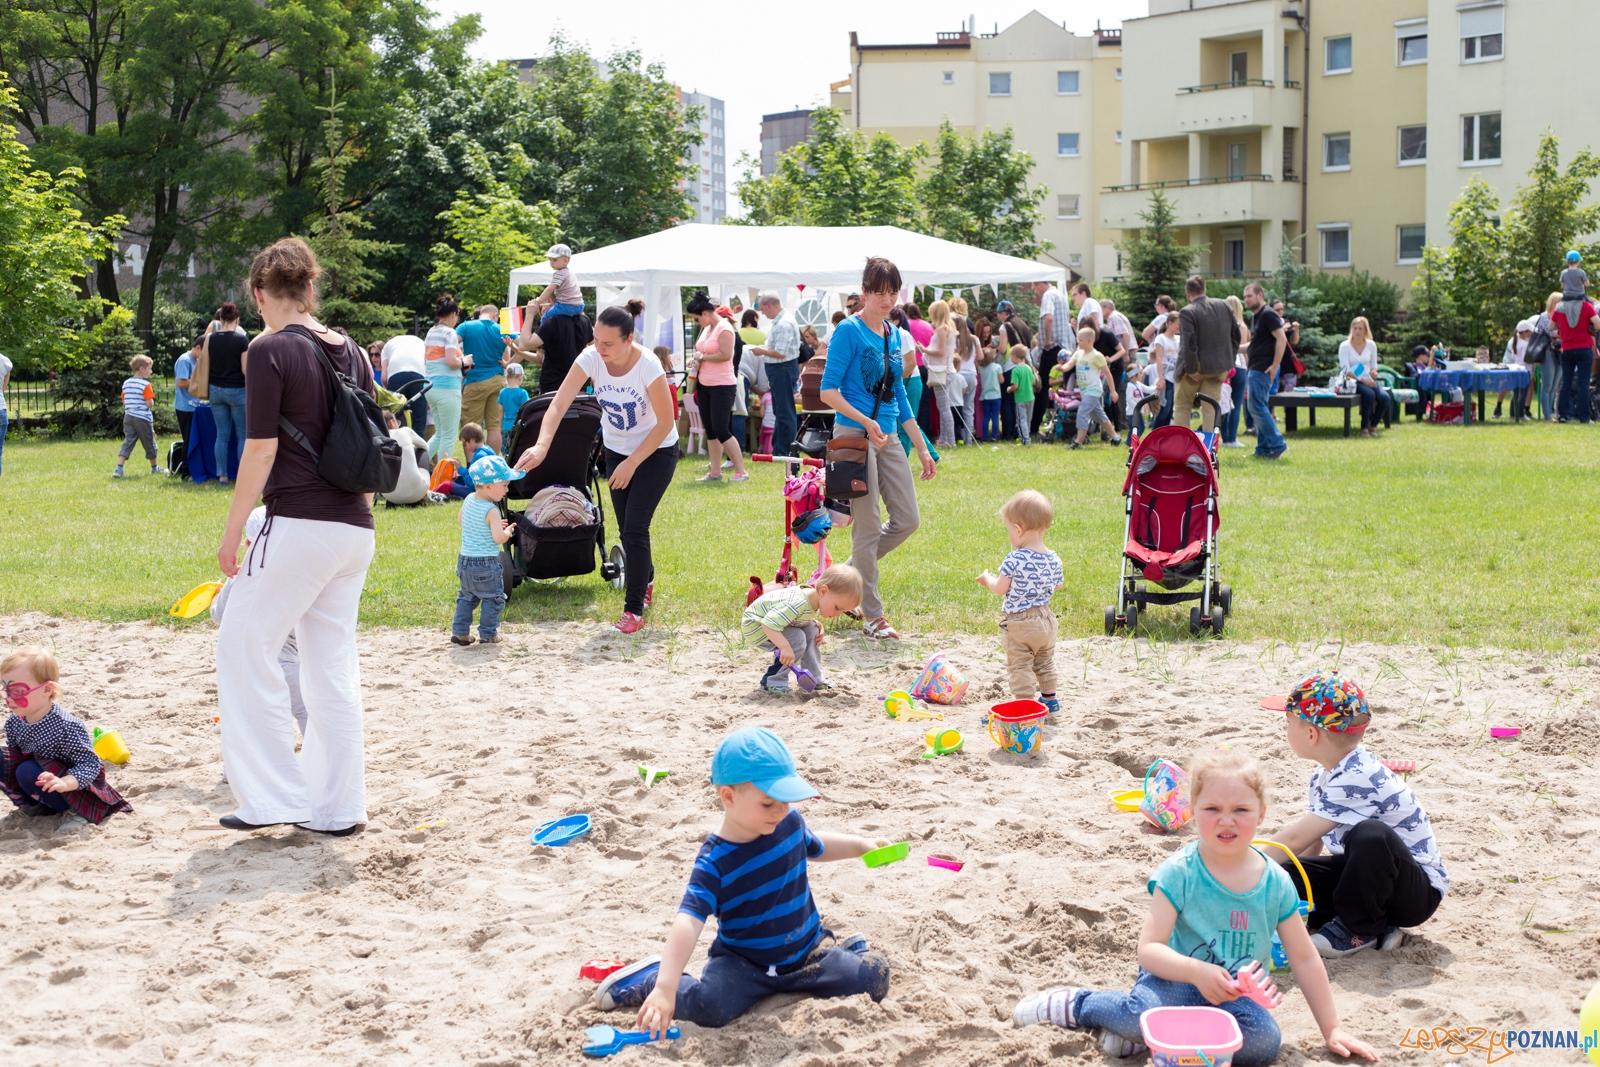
{"x": 482, "y": 582}
{"x": 1230, "y": 421}
{"x": 1374, "y": 404}
{"x": 227, "y": 411}
{"x": 1269, "y": 442}
{"x": 1164, "y": 416}
{"x": 783, "y": 377}
{"x": 416, "y": 409}
{"x": 991, "y": 419}
{"x": 1119, "y": 1013}
{"x": 28, "y": 779}
{"x": 1575, "y": 363}
{"x": 2, "y": 433}
{"x": 731, "y": 985}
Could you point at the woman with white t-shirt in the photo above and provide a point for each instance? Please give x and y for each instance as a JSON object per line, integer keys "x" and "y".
{"x": 1358, "y": 358}
{"x": 1166, "y": 345}
{"x": 640, "y": 438}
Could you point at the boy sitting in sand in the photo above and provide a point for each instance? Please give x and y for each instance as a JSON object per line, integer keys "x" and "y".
{"x": 786, "y": 619}
{"x": 1028, "y": 578}
{"x": 751, "y": 874}
{"x": 1383, "y": 869}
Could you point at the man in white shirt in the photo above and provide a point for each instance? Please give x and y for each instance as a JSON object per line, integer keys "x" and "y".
{"x": 404, "y": 362}
{"x": 781, "y": 356}
{"x": 1088, "y": 310}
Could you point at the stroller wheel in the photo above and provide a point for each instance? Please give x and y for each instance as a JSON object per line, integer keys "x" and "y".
{"x": 1133, "y": 618}
{"x": 508, "y": 570}
{"x": 1225, "y": 598}
{"x": 1194, "y": 622}
{"x": 1111, "y": 621}
{"x": 1218, "y": 614}
{"x": 618, "y": 561}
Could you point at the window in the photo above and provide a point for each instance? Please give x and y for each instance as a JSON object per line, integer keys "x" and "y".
{"x": 1289, "y": 155}
{"x": 1067, "y": 206}
{"x": 949, "y": 77}
{"x": 1119, "y": 74}
{"x": 1236, "y": 159}
{"x": 1336, "y": 151}
{"x": 1411, "y": 47}
{"x": 1075, "y": 260}
{"x": 1336, "y": 55}
{"x": 1483, "y": 34}
{"x": 1480, "y": 138}
{"x": 1233, "y": 256}
{"x": 1238, "y": 66}
{"x": 1066, "y": 83}
{"x": 1411, "y": 240}
{"x": 1000, "y": 85}
{"x": 1066, "y": 144}
{"x": 1413, "y": 145}
{"x": 1119, "y": 136}
{"x": 1335, "y": 245}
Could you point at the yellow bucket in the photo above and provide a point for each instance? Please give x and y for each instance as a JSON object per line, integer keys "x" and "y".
{"x": 109, "y": 747}
{"x": 195, "y": 600}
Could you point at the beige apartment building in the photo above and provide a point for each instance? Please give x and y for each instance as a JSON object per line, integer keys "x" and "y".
{"x": 1059, "y": 92}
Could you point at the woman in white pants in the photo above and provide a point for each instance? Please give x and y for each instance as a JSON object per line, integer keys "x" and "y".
{"x": 304, "y": 574}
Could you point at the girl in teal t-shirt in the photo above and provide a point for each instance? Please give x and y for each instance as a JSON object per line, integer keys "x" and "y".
{"x": 1214, "y": 906}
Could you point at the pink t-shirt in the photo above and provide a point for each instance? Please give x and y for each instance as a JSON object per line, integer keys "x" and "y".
{"x": 710, "y": 343}
{"x": 921, "y": 331}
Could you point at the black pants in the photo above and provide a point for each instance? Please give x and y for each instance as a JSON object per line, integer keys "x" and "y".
{"x": 716, "y": 411}
{"x": 418, "y": 408}
{"x": 1374, "y": 884}
{"x": 633, "y": 508}
{"x": 1042, "y": 403}
{"x": 185, "y": 420}
{"x": 1114, "y": 411}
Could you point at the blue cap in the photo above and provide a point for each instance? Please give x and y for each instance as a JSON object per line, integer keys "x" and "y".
{"x": 492, "y": 469}
{"x": 759, "y": 756}
{"x": 1574, "y": 256}
{"x": 1004, "y": 305}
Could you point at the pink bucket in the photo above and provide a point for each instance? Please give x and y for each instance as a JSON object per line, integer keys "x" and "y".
{"x": 1190, "y": 1037}
{"x": 940, "y": 682}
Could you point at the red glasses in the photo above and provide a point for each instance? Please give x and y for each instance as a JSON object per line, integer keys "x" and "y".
{"x": 17, "y": 693}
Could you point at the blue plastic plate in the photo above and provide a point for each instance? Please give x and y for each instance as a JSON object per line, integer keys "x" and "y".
{"x": 564, "y": 831}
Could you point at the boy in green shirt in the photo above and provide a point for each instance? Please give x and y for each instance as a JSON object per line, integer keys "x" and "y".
{"x": 1094, "y": 380}
{"x": 1021, "y": 377}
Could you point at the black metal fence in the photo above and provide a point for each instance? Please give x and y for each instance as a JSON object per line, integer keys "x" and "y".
{"x": 37, "y": 401}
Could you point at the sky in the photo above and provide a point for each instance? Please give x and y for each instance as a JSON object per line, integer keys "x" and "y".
{"x": 758, "y": 63}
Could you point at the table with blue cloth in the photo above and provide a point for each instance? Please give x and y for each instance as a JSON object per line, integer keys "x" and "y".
{"x": 1480, "y": 380}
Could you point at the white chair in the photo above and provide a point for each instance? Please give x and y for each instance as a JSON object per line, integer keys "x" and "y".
{"x": 696, "y": 427}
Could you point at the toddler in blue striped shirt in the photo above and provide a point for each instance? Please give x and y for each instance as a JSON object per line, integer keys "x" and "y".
{"x": 751, "y": 874}
{"x": 483, "y": 531}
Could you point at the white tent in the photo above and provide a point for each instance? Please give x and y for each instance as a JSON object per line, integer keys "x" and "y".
{"x": 655, "y": 267}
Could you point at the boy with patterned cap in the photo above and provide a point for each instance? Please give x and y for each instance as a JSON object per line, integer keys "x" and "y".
{"x": 1382, "y": 870}
{"x": 483, "y": 531}
{"x": 751, "y": 874}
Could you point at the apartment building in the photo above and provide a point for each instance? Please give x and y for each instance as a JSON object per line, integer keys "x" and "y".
{"x": 781, "y": 132}
{"x": 709, "y": 188}
{"x": 1059, "y": 92}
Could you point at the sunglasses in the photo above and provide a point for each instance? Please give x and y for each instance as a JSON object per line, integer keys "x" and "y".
{"x": 17, "y": 693}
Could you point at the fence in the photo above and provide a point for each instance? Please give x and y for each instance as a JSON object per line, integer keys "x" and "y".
{"x": 38, "y": 403}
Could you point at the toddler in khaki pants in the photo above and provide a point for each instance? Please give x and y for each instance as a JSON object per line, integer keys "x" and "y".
{"x": 1028, "y": 577}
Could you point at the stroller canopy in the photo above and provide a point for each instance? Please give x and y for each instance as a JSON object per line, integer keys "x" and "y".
{"x": 1170, "y": 481}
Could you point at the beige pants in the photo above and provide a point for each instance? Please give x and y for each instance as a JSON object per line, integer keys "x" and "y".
{"x": 889, "y": 480}
{"x": 1029, "y": 639}
{"x": 1183, "y": 401}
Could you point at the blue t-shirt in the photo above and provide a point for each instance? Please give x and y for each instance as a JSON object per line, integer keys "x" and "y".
{"x": 481, "y": 340}
{"x": 476, "y": 541}
{"x": 462, "y": 477}
{"x": 855, "y": 368}
{"x": 1215, "y": 924}
{"x": 511, "y": 400}
{"x": 759, "y": 893}
{"x": 184, "y": 369}
{"x": 1034, "y": 577}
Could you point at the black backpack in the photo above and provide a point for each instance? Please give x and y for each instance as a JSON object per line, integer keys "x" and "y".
{"x": 358, "y": 455}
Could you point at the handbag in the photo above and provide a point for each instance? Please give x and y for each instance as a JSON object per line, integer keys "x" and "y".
{"x": 1538, "y": 348}
{"x": 846, "y": 470}
{"x": 200, "y": 378}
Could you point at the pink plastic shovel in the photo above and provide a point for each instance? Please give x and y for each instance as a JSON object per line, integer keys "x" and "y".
{"x": 1257, "y": 985}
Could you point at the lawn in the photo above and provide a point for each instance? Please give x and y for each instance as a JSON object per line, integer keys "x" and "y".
{"x": 1460, "y": 536}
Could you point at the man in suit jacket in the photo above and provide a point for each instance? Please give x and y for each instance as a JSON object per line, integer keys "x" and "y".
{"x": 1208, "y": 336}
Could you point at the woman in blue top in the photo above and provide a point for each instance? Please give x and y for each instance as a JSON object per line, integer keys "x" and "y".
{"x": 862, "y": 382}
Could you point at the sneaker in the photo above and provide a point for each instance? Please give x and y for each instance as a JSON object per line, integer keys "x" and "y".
{"x": 1051, "y": 704}
{"x": 461, "y": 639}
{"x": 880, "y": 629}
{"x": 745, "y": 477}
{"x": 72, "y": 823}
{"x": 1074, "y": 445}
{"x": 489, "y": 639}
{"x": 1393, "y": 938}
{"x": 856, "y": 943}
{"x": 437, "y": 498}
{"x": 774, "y": 686}
{"x": 1052, "y": 1006}
{"x": 1116, "y": 439}
{"x": 158, "y": 470}
{"x": 38, "y": 809}
{"x": 649, "y": 593}
{"x": 1335, "y": 941}
{"x": 628, "y": 987}
{"x": 727, "y": 464}
{"x": 1119, "y": 1046}
{"x": 629, "y": 623}
{"x": 1234, "y": 444}
{"x": 117, "y": 473}
{"x": 709, "y": 478}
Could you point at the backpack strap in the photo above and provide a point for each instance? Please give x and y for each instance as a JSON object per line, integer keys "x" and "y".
{"x": 322, "y": 357}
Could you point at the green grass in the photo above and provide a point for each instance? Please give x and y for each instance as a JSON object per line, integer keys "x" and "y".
{"x": 1461, "y": 536}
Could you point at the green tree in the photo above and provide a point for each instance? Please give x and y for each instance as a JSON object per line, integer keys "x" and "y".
{"x": 1477, "y": 265}
{"x": 1358, "y": 293}
{"x": 1153, "y": 262}
{"x": 1430, "y": 313}
{"x": 44, "y": 244}
{"x": 836, "y": 178}
{"x": 1303, "y": 304}
{"x": 488, "y": 235}
{"x": 91, "y": 388}
{"x": 1546, "y": 218}
{"x": 976, "y": 193}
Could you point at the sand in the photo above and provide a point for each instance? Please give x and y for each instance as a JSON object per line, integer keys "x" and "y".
{"x": 161, "y": 937}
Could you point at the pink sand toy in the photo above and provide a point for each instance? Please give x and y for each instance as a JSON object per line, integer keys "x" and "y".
{"x": 1256, "y": 984}
{"x": 948, "y": 862}
{"x": 1504, "y": 731}
{"x": 940, "y": 682}
{"x": 1190, "y": 1037}
{"x": 1165, "y": 804}
{"x": 1400, "y": 766}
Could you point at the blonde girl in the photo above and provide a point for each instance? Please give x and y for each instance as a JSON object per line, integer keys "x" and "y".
{"x": 941, "y": 350}
{"x": 1360, "y": 350}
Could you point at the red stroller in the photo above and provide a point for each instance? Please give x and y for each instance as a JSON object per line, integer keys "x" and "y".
{"x": 1170, "y": 537}
{"x": 807, "y": 518}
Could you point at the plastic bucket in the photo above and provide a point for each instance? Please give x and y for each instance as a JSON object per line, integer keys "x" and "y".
{"x": 109, "y": 747}
{"x": 1015, "y": 725}
{"x": 1190, "y": 1037}
{"x": 940, "y": 682}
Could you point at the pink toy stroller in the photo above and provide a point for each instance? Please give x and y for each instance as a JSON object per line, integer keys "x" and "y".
{"x": 807, "y": 518}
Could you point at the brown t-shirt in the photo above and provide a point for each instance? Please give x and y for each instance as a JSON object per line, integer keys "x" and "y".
{"x": 285, "y": 379}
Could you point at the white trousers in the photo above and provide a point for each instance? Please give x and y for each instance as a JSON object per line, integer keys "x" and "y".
{"x": 303, "y": 576}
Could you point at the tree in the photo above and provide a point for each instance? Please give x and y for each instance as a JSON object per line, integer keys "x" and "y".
{"x": 1546, "y": 218}
{"x": 1154, "y": 263}
{"x": 1431, "y": 314}
{"x": 976, "y": 193}
{"x": 836, "y": 178}
{"x": 91, "y": 388}
{"x": 1303, "y": 304}
{"x": 489, "y": 235}
{"x": 1477, "y": 264}
{"x": 44, "y": 244}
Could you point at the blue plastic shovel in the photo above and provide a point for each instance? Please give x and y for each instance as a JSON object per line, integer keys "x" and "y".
{"x": 608, "y": 1040}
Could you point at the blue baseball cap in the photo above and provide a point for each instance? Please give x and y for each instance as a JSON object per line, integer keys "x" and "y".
{"x": 1574, "y": 256}
{"x": 492, "y": 469}
{"x": 759, "y": 756}
{"x": 1004, "y": 305}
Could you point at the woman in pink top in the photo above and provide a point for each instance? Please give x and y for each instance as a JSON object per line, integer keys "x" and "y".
{"x": 717, "y": 389}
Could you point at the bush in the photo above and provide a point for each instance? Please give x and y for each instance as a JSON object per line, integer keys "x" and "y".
{"x": 92, "y": 390}
{"x": 1356, "y": 294}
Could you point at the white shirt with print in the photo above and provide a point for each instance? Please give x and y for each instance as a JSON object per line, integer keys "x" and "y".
{"x": 1359, "y": 788}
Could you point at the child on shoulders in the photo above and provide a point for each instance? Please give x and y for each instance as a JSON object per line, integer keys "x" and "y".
{"x": 48, "y": 765}
{"x": 483, "y": 531}
{"x": 1028, "y": 578}
{"x": 1382, "y": 870}
{"x": 1213, "y": 907}
{"x": 1574, "y": 289}
{"x": 562, "y": 296}
{"x": 785, "y": 618}
{"x": 751, "y": 874}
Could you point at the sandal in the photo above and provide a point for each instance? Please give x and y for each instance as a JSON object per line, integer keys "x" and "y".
{"x": 880, "y": 629}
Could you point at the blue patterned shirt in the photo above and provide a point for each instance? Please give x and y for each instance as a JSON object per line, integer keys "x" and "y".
{"x": 1034, "y": 577}
{"x": 1360, "y": 788}
{"x": 56, "y": 736}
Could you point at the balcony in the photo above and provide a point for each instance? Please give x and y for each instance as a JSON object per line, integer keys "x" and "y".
{"x": 1236, "y": 106}
{"x": 1226, "y": 201}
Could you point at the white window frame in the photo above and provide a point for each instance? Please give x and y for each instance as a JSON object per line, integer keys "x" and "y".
{"x": 1077, "y": 205}
{"x": 1325, "y": 228}
{"x": 1327, "y": 43}
{"x": 1077, "y": 80}
{"x": 1075, "y": 259}
{"x": 1477, "y": 138}
{"x": 1231, "y": 79}
{"x": 1461, "y": 48}
{"x": 993, "y": 74}
{"x": 1244, "y": 158}
{"x": 1077, "y": 150}
{"x": 1327, "y": 141}
{"x": 948, "y": 78}
{"x": 1405, "y": 30}
{"x": 1399, "y": 258}
{"x": 1399, "y": 142}
{"x": 1119, "y": 74}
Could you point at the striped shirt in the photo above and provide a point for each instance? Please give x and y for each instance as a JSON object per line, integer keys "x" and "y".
{"x": 759, "y": 893}
{"x": 779, "y": 608}
{"x": 1055, "y": 305}
{"x": 56, "y": 736}
{"x": 441, "y": 341}
{"x": 476, "y": 541}
{"x": 137, "y": 396}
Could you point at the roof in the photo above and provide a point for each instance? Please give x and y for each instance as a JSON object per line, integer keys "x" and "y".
{"x": 952, "y": 39}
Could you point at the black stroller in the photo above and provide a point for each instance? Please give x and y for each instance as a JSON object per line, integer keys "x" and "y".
{"x": 548, "y": 552}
